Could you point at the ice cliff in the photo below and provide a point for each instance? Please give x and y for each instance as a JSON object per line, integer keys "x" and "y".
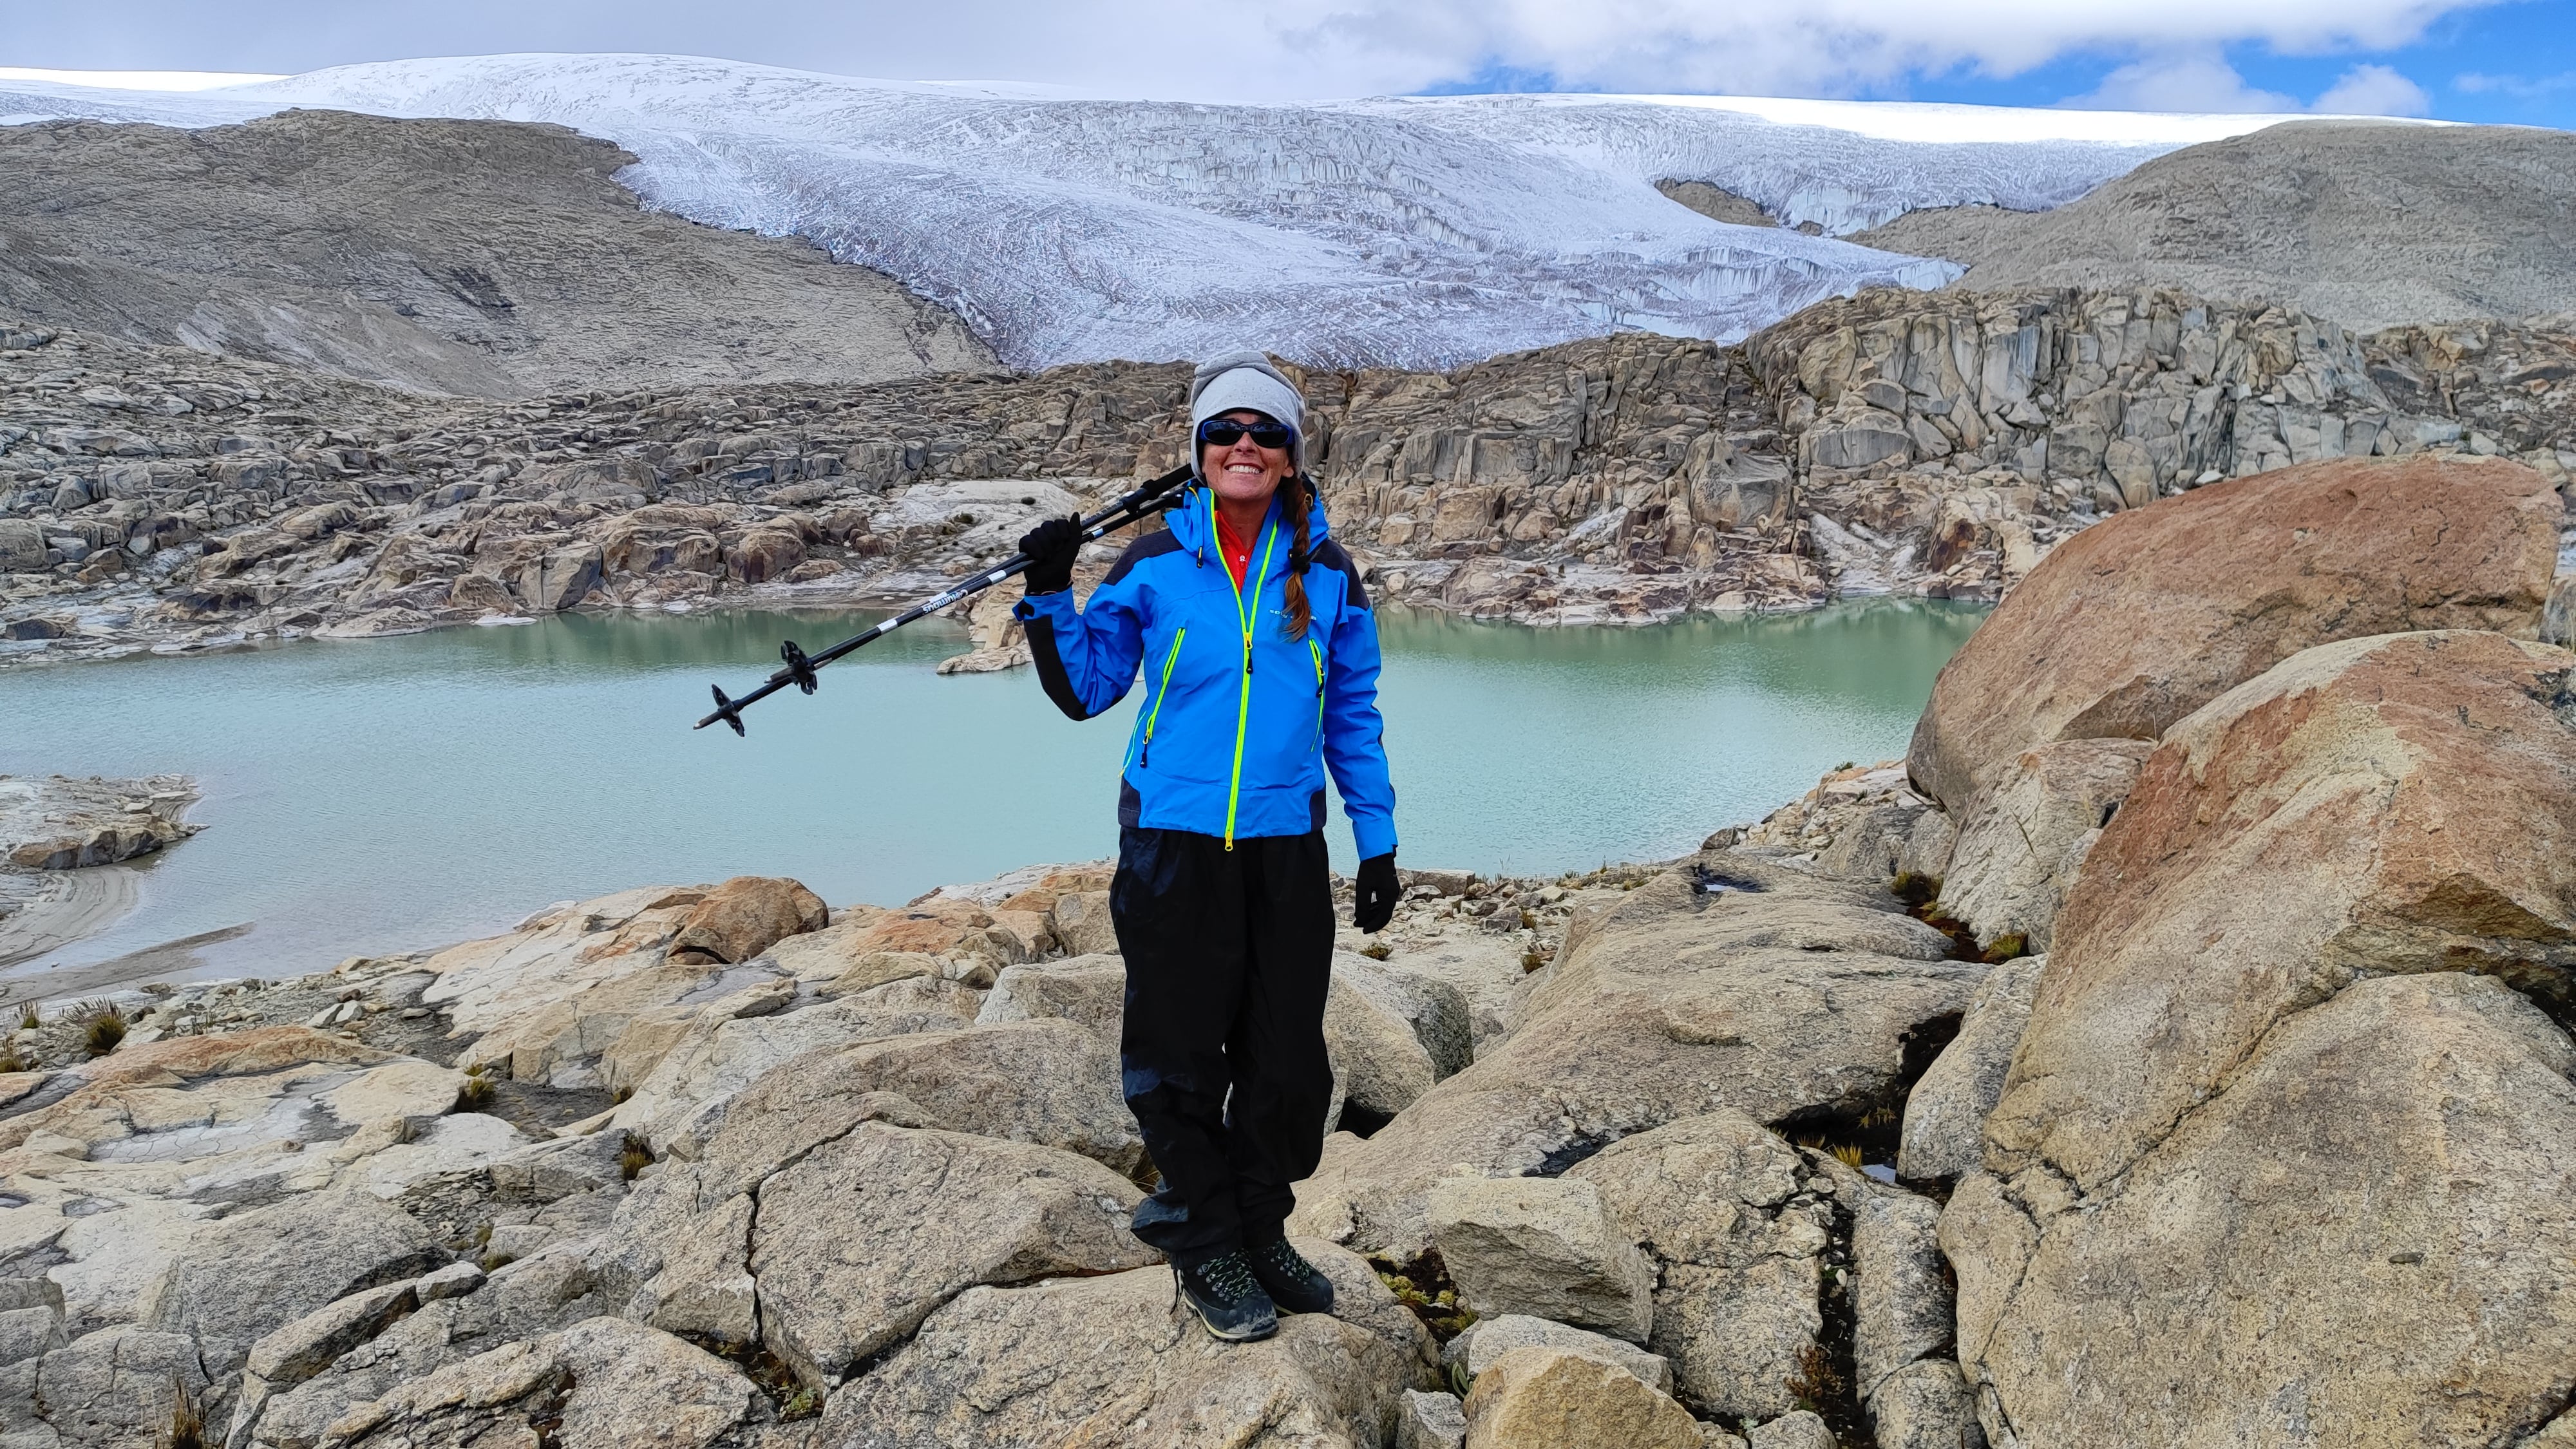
{"x": 1419, "y": 232}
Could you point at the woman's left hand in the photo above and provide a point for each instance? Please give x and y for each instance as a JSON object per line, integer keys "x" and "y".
{"x": 1373, "y": 894}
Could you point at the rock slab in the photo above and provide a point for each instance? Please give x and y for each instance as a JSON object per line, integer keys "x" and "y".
{"x": 1568, "y": 1400}
{"x": 2286, "y": 1153}
{"x": 1106, "y": 1360}
{"x": 1547, "y": 1248}
{"x": 861, "y": 1239}
{"x": 1945, "y": 1115}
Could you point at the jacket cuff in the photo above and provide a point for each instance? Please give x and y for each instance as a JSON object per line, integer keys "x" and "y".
{"x": 1053, "y": 606}
{"x": 1373, "y": 836}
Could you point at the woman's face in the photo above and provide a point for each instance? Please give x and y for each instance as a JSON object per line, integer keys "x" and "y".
{"x": 1246, "y": 472}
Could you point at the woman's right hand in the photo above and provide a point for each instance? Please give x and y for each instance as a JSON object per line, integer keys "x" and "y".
{"x": 1051, "y": 548}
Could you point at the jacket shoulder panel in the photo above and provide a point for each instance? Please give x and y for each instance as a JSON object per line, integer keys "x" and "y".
{"x": 1337, "y": 558}
{"x": 1152, "y": 545}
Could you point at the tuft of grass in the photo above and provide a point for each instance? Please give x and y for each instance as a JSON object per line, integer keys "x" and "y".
{"x": 476, "y": 1092}
{"x": 1423, "y": 1287}
{"x": 187, "y": 1427}
{"x": 1377, "y": 950}
{"x": 1818, "y": 1385}
{"x": 1532, "y": 959}
{"x": 634, "y": 1156}
{"x": 106, "y": 1030}
{"x": 10, "y": 1061}
{"x": 2010, "y": 947}
{"x": 28, "y": 1017}
{"x": 768, "y": 1372}
{"x": 1915, "y": 888}
{"x": 1849, "y": 1154}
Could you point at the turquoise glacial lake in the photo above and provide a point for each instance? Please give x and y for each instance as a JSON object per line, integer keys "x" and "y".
{"x": 391, "y": 794}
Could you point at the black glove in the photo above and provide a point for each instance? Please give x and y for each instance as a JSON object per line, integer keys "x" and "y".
{"x": 1373, "y": 894}
{"x": 1051, "y": 548}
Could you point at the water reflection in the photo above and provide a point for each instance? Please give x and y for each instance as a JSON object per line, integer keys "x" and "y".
{"x": 616, "y": 645}
{"x": 1878, "y": 651}
{"x": 396, "y": 793}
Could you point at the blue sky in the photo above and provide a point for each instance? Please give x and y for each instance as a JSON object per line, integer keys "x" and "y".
{"x": 2510, "y": 64}
{"x": 2472, "y": 60}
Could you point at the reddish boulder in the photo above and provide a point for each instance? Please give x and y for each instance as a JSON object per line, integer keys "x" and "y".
{"x": 746, "y": 916}
{"x": 2393, "y": 804}
{"x": 764, "y": 554}
{"x": 2143, "y": 618}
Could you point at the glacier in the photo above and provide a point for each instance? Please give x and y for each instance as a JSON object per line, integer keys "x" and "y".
{"x": 1419, "y": 232}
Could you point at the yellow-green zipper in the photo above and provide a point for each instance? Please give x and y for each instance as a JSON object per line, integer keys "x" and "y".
{"x": 1162, "y": 691}
{"x": 1318, "y": 651}
{"x": 1243, "y": 700}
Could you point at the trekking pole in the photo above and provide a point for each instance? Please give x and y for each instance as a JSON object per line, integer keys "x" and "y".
{"x": 1155, "y": 497}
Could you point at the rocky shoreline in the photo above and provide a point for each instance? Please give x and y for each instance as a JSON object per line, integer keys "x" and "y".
{"x": 1933, "y": 444}
{"x": 2179, "y": 1031}
{"x": 60, "y": 839}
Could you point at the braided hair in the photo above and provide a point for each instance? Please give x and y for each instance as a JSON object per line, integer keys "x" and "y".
{"x": 1297, "y": 499}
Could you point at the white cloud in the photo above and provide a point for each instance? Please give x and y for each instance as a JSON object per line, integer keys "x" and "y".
{"x": 2519, "y": 87}
{"x": 1831, "y": 46}
{"x": 1246, "y": 49}
{"x": 2203, "y": 82}
{"x": 2206, "y": 82}
{"x": 2374, "y": 90}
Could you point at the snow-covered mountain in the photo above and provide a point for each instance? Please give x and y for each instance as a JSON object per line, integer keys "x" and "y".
{"x": 1411, "y": 232}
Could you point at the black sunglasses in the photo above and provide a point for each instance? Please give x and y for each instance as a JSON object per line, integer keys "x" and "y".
{"x": 1226, "y": 432}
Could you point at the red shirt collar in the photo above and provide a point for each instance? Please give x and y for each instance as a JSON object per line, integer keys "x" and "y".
{"x": 1238, "y": 553}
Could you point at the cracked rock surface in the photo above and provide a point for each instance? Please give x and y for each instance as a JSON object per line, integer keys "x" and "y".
{"x": 1108, "y": 1358}
{"x": 1730, "y": 980}
{"x": 2282, "y": 1152}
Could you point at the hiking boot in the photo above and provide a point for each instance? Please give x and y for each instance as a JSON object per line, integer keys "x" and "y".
{"x": 1227, "y": 1298}
{"x": 1293, "y": 1283}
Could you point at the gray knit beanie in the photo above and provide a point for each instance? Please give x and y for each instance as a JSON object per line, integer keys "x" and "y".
{"x": 1246, "y": 379}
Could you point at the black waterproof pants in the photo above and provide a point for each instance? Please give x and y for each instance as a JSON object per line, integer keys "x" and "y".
{"x": 1229, "y": 954}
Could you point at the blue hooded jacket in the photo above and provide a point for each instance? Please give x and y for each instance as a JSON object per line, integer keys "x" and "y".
{"x": 1239, "y": 720}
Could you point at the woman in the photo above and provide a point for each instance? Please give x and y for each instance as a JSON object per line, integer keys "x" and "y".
{"x": 1259, "y": 659}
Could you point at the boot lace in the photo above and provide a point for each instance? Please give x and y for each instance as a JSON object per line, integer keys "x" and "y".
{"x": 1231, "y": 1276}
{"x": 1284, "y": 1260}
